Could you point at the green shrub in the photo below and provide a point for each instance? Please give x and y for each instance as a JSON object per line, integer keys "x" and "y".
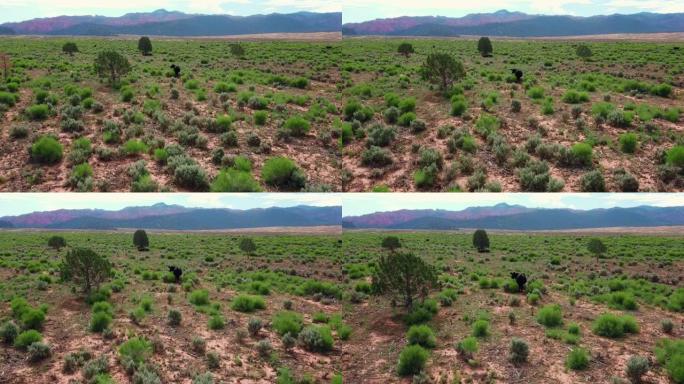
{"x": 412, "y": 360}
{"x": 134, "y": 147}
{"x": 316, "y": 338}
{"x": 287, "y": 322}
{"x": 421, "y": 335}
{"x": 137, "y": 349}
{"x": 297, "y": 126}
{"x": 46, "y": 150}
{"x": 33, "y": 318}
{"x": 26, "y": 338}
{"x": 481, "y": 328}
{"x": 459, "y": 105}
{"x": 613, "y": 326}
{"x": 670, "y": 354}
{"x": 582, "y": 153}
{"x": 550, "y": 316}
{"x": 574, "y": 97}
{"x": 223, "y": 123}
{"x": 636, "y": 368}
{"x": 217, "y": 322}
{"x": 406, "y": 119}
{"x": 628, "y": 142}
{"x": 675, "y": 156}
{"x": 8, "y": 332}
{"x": 247, "y": 303}
{"x": 536, "y": 93}
{"x": 100, "y": 321}
{"x": 577, "y": 360}
{"x": 283, "y": 173}
{"x": 376, "y": 157}
{"x": 260, "y": 117}
{"x": 38, "y": 112}
{"x": 593, "y": 182}
{"x": 467, "y": 347}
{"x": 519, "y": 351}
{"x": 38, "y": 351}
{"x": 233, "y": 180}
{"x": 8, "y": 98}
{"x": 199, "y": 297}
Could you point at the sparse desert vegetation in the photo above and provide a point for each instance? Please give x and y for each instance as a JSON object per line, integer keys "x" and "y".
{"x": 395, "y": 307}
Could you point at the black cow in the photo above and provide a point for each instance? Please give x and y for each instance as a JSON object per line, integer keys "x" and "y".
{"x": 519, "y": 278}
{"x": 177, "y": 273}
{"x": 518, "y": 74}
{"x": 176, "y": 70}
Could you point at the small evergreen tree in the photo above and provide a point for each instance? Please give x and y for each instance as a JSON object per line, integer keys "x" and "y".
{"x": 112, "y": 65}
{"x": 140, "y": 240}
{"x": 247, "y": 245}
{"x": 484, "y": 46}
{"x": 70, "y": 48}
{"x": 405, "y": 49}
{"x": 145, "y": 46}
{"x": 597, "y": 248}
{"x": 236, "y": 49}
{"x": 406, "y": 275}
{"x": 56, "y": 242}
{"x": 584, "y": 51}
{"x": 85, "y": 268}
{"x": 391, "y": 243}
{"x": 481, "y": 240}
{"x": 443, "y": 69}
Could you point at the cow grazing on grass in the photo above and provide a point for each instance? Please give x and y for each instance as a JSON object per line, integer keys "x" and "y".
{"x": 177, "y": 273}
{"x": 521, "y": 279}
{"x": 518, "y": 74}
{"x": 176, "y": 70}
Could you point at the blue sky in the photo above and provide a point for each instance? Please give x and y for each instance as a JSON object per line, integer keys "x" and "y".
{"x": 17, "y": 10}
{"x": 362, "y": 10}
{"x": 354, "y": 204}
{"x": 20, "y": 203}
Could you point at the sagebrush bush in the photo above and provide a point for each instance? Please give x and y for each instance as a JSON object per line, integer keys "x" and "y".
{"x": 316, "y": 338}
{"x": 38, "y": 351}
{"x": 174, "y": 317}
{"x": 8, "y": 332}
{"x": 593, "y": 181}
{"x": 412, "y": 360}
{"x": 519, "y": 351}
{"x": 376, "y": 157}
{"x": 636, "y": 368}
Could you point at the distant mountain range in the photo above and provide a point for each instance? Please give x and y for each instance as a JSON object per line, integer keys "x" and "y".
{"x": 172, "y": 23}
{"x": 516, "y": 217}
{"x": 176, "y": 217}
{"x": 517, "y": 24}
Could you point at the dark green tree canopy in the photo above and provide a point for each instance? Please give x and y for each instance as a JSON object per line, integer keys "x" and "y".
{"x": 247, "y": 245}
{"x": 56, "y": 242}
{"x": 484, "y": 46}
{"x": 85, "y": 268}
{"x": 584, "y": 51}
{"x": 69, "y": 48}
{"x": 442, "y": 69}
{"x": 391, "y": 243}
{"x": 140, "y": 240}
{"x": 236, "y": 49}
{"x": 111, "y": 65}
{"x": 405, "y": 275}
{"x": 145, "y": 45}
{"x": 481, "y": 240}
{"x": 405, "y": 49}
{"x": 596, "y": 247}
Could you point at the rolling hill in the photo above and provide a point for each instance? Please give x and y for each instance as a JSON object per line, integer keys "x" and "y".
{"x": 175, "y": 217}
{"x": 509, "y": 217}
{"x": 516, "y": 24}
{"x": 171, "y": 23}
